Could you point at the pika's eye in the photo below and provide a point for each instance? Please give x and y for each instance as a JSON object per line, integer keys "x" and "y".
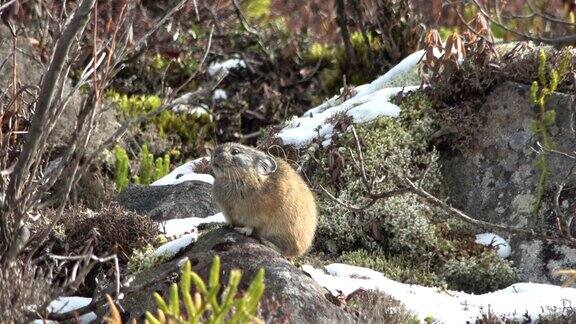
{"x": 234, "y": 151}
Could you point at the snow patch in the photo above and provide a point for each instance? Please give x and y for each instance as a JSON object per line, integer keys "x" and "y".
{"x": 186, "y": 229}
{"x": 66, "y": 304}
{"x": 171, "y": 248}
{"x": 219, "y": 94}
{"x": 447, "y": 306}
{"x": 179, "y": 226}
{"x": 316, "y": 122}
{"x": 490, "y": 239}
{"x": 185, "y": 172}
{"x": 368, "y": 102}
{"x": 224, "y": 66}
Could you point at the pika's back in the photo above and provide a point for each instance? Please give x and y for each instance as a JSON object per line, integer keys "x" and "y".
{"x": 258, "y": 191}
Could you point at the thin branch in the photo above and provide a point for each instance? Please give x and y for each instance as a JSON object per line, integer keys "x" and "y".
{"x": 561, "y": 40}
{"x": 370, "y": 203}
{"x": 43, "y": 106}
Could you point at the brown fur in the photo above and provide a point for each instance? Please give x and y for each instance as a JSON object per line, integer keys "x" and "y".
{"x": 279, "y": 206}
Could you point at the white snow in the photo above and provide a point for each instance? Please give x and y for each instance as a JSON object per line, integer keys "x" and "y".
{"x": 218, "y": 67}
{"x": 219, "y": 94}
{"x": 405, "y": 66}
{"x": 490, "y": 239}
{"x": 66, "y": 304}
{"x": 186, "y": 229}
{"x": 171, "y": 248}
{"x": 179, "y": 226}
{"x": 368, "y": 102}
{"x": 447, "y": 306}
{"x": 316, "y": 122}
{"x": 185, "y": 172}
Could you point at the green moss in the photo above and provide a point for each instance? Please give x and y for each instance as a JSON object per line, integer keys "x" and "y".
{"x": 480, "y": 274}
{"x": 142, "y": 259}
{"x": 392, "y": 148}
{"x": 396, "y": 268}
{"x": 256, "y": 9}
{"x": 189, "y": 126}
{"x": 337, "y": 64}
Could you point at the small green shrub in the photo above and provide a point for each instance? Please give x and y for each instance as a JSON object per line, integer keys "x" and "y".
{"x": 480, "y": 274}
{"x": 204, "y": 305}
{"x": 122, "y": 170}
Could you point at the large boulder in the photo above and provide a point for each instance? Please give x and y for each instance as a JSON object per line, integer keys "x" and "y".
{"x": 498, "y": 180}
{"x": 183, "y": 200}
{"x": 290, "y": 294}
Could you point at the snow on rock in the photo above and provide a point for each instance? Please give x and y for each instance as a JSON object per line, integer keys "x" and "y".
{"x": 185, "y": 172}
{"x": 490, "y": 239}
{"x": 218, "y": 67}
{"x": 219, "y": 94}
{"x": 447, "y": 306}
{"x": 179, "y": 226}
{"x": 66, "y": 304}
{"x": 369, "y": 101}
{"x": 186, "y": 229}
{"x": 171, "y": 248}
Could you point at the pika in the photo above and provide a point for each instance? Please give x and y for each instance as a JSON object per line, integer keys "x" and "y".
{"x": 263, "y": 196}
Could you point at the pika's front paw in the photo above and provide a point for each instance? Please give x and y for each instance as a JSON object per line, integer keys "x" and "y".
{"x": 244, "y": 230}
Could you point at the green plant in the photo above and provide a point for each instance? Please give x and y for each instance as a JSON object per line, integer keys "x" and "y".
{"x": 122, "y": 168}
{"x": 146, "y": 172}
{"x": 142, "y": 259}
{"x": 162, "y": 166}
{"x": 256, "y": 9}
{"x": 393, "y": 267}
{"x": 539, "y": 92}
{"x": 392, "y": 149}
{"x": 204, "y": 304}
{"x": 189, "y": 125}
{"x": 480, "y": 274}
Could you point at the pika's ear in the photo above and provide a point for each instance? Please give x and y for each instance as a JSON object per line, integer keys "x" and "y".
{"x": 266, "y": 165}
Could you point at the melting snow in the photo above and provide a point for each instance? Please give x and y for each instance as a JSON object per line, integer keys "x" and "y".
{"x": 370, "y": 101}
{"x": 490, "y": 239}
{"x": 66, "y": 304}
{"x": 171, "y": 248}
{"x": 179, "y": 226}
{"x": 185, "y": 172}
{"x": 219, "y": 94}
{"x": 186, "y": 229}
{"x": 224, "y": 66}
{"x": 447, "y": 306}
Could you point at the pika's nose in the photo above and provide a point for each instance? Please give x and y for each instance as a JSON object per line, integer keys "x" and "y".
{"x": 217, "y": 156}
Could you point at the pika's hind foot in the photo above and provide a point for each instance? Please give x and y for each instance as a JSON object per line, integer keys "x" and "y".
{"x": 244, "y": 230}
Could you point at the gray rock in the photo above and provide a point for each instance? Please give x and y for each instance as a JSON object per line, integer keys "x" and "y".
{"x": 30, "y": 71}
{"x": 187, "y": 199}
{"x": 290, "y": 293}
{"x": 497, "y": 181}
